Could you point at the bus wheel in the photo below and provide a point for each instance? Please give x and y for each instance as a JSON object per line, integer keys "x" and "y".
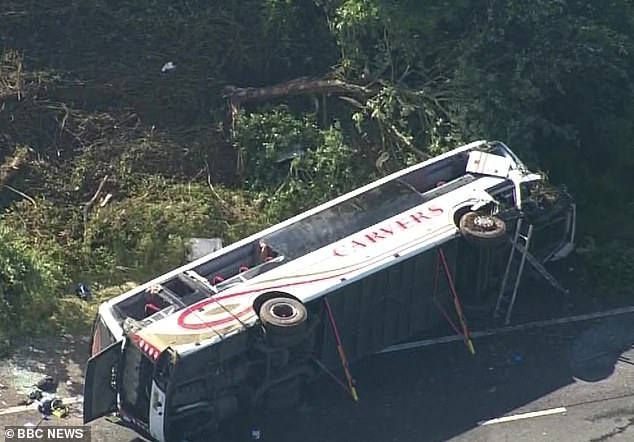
{"x": 481, "y": 228}
{"x": 285, "y": 321}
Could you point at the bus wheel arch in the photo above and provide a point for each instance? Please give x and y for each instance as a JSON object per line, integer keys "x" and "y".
{"x": 263, "y": 297}
{"x": 459, "y": 212}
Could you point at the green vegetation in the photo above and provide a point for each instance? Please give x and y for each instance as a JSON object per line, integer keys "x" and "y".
{"x": 108, "y": 164}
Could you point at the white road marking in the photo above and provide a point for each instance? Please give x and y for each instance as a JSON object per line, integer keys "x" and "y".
{"x": 33, "y": 406}
{"x": 512, "y": 328}
{"x": 517, "y": 417}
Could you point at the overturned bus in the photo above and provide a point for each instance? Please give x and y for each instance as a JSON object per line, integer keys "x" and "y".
{"x": 250, "y": 324}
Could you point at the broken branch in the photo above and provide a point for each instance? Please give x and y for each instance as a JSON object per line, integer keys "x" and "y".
{"x": 22, "y": 194}
{"x": 89, "y": 204}
{"x": 298, "y": 86}
{"x": 211, "y": 187}
{"x": 407, "y": 142}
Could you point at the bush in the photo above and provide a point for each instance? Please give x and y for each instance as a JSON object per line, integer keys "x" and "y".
{"x": 43, "y": 252}
{"x": 610, "y": 268}
{"x": 30, "y": 283}
{"x": 145, "y": 234}
{"x": 269, "y": 144}
{"x": 292, "y": 165}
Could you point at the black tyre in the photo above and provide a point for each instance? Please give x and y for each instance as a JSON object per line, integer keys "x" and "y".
{"x": 482, "y": 228}
{"x": 285, "y": 321}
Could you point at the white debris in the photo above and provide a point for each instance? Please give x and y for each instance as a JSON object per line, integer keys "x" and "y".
{"x": 105, "y": 200}
{"x": 23, "y": 378}
{"x": 169, "y": 66}
{"x": 199, "y": 247}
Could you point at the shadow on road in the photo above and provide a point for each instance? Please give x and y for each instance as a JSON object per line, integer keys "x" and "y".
{"x": 596, "y": 351}
{"x": 437, "y": 393}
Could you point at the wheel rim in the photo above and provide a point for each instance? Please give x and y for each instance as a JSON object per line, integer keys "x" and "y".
{"x": 484, "y": 222}
{"x": 283, "y": 311}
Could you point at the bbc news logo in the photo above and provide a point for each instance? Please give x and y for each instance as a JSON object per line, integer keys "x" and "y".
{"x": 47, "y": 434}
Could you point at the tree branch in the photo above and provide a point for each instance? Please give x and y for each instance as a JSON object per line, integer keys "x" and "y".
{"x": 22, "y": 194}
{"x": 89, "y": 204}
{"x": 298, "y": 86}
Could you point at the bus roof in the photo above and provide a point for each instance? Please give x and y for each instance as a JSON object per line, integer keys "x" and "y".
{"x": 271, "y": 230}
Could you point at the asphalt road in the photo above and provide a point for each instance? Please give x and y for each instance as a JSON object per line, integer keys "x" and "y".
{"x": 442, "y": 393}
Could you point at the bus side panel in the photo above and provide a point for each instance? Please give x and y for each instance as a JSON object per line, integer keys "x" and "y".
{"x": 389, "y": 306}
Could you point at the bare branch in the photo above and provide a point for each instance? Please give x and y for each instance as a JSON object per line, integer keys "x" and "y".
{"x": 22, "y": 194}
{"x": 407, "y": 142}
{"x": 89, "y": 204}
{"x": 211, "y": 187}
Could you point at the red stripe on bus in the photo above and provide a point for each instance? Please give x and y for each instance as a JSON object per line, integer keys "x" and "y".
{"x": 192, "y": 309}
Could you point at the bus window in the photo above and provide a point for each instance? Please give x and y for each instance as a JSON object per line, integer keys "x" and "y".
{"x": 101, "y": 337}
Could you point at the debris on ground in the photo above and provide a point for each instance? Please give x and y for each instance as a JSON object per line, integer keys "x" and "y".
{"x": 53, "y": 406}
{"x": 35, "y": 395}
{"x": 48, "y": 404}
{"x": 83, "y": 291}
{"x": 47, "y": 384}
{"x": 169, "y": 66}
{"x": 44, "y": 388}
{"x": 20, "y": 377}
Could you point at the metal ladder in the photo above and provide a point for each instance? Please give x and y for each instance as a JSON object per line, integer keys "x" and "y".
{"x": 506, "y": 300}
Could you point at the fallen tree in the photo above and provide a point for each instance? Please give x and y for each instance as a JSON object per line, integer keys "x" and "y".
{"x": 235, "y": 96}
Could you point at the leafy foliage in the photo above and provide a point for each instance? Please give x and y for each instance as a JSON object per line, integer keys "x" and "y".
{"x": 611, "y": 268}
{"x": 29, "y": 281}
{"x": 294, "y": 165}
{"x": 118, "y": 233}
{"x": 81, "y": 89}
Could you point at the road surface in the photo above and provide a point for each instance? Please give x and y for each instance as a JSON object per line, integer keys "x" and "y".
{"x": 569, "y": 382}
